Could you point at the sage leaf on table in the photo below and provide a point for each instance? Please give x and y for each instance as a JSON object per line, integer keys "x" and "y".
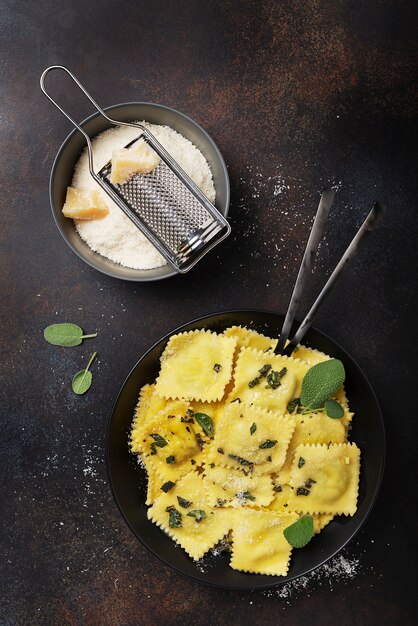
{"x": 300, "y": 532}
{"x": 321, "y": 382}
{"x": 83, "y": 379}
{"x": 66, "y": 334}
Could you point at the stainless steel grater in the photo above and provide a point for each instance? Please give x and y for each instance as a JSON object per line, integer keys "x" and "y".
{"x": 166, "y": 205}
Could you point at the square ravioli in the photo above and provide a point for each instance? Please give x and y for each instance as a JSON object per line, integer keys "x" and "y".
{"x": 196, "y": 365}
{"x": 314, "y": 428}
{"x": 185, "y": 515}
{"x": 266, "y": 379}
{"x": 258, "y": 543}
{"x": 170, "y": 446}
{"x": 251, "y": 438}
{"x": 325, "y": 479}
{"x": 149, "y": 404}
{"x": 231, "y": 487}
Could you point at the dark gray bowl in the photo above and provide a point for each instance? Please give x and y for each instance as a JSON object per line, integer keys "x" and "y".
{"x": 63, "y": 167}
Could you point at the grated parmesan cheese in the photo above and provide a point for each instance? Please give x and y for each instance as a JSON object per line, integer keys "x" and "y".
{"x": 115, "y": 236}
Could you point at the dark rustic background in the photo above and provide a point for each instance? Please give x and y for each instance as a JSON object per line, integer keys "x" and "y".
{"x": 298, "y": 95}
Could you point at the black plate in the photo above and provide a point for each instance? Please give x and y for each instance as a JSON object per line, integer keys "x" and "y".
{"x": 129, "y": 480}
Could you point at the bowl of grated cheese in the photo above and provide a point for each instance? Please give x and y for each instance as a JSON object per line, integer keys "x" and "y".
{"x": 113, "y": 245}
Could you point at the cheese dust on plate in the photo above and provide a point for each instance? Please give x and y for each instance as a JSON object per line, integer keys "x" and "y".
{"x": 115, "y": 236}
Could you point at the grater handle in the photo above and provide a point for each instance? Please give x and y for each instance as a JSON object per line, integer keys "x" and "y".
{"x": 74, "y": 123}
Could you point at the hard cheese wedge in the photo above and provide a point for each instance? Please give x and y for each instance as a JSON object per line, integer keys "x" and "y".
{"x": 84, "y": 205}
{"x": 141, "y": 159}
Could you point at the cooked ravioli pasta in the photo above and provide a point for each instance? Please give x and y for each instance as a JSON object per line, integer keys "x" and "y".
{"x": 228, "y": 460}
{"x": 196, "y": 365}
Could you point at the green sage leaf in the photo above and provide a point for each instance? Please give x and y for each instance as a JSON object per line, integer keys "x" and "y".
{"x": 205, "y": 423}
{"x": 183, "y": 502}
{"x": 241, "y": 461}
{"x": 198, "y": 514}
{"x": 320, "y": 382}
{"x": 333, "y": 409}
{"x": 174, "y": 517}
{"x": 300, "y": 532}
{"x": 83, "y": 379}
{"x": 167, "y": 486}
{"x": 269, "y": 443}
{"x": 292, "y": 405}
{"x": 158, "y": 440}
{"x": 66, "y": 334}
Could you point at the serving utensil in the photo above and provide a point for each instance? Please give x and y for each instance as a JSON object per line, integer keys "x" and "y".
{"x": 367, "y": 227}
{"x": 165, "y": 205}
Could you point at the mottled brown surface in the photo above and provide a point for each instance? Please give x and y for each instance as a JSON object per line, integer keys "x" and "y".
{"x": 298, "y": 95}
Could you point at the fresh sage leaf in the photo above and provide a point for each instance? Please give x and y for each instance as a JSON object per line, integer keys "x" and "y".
{"x": 66, "y": 334}
{"x": 83, "y": 379}
{"x": 300, "y": 532}
{"x": 320, "y": 382}
{"x": 205, "y": 423}
{"x": 333, "y": 409}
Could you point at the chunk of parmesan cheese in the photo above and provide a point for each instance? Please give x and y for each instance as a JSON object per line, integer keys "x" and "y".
{"x": 140, "y": 159}
{"x": 84, "y": 205}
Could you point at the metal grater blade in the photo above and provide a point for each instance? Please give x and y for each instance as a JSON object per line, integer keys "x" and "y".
{"x": 176, "y": 217}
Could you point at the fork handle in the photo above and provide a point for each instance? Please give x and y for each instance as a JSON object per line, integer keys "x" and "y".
{"x": 324, "y": 206}
{"x": 366, "y": 228}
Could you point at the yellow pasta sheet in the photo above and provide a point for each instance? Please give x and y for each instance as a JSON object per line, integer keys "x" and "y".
{"x": 325, "y": 479}
{"x": 196, "y": 537}
{"x": 251, "y": 438}
{"x": 258, "y": 543}
{"x": 196, "y": 365}
{"x": 249, "y": 364}
{"x": 314, "y": 428}
{"x": 235, "y": 488}
{"x": 149, "y": 404}
{"x": 169, "y": 443}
